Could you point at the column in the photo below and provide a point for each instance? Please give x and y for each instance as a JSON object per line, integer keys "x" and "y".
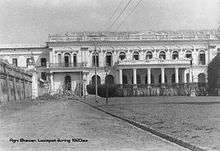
{"x": 177, "y": 75}
{"x": 71, "y": 59}
{"x": 83, "y": 84}
{"x": 34, "y": 85}
{"x": 149, "y": 76}
{"x": 51, "y": 57}
{"x": 120, "y": 76}
{"x": 184, "y": 76}
{"x": 62, "y": 57}
{"x": 134, "y": 76}
{"x": 190, "y": 75}
{"x": 51, "y": 82}
{"x": 162, "y": 76}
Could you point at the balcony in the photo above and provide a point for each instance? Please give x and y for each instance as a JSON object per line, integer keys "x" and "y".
{"x": 72, "y": 67}
{"x": 155, "y": 62}
{"x": 66, "y": 67}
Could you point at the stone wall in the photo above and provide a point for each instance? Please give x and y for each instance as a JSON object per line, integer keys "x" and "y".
{"x": 15, "y": 83}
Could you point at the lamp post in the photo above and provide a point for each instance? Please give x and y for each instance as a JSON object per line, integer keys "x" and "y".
{"x": 192, "y": 94}
{"x": 96, "y": 83}
{"x": 106, "y": 73}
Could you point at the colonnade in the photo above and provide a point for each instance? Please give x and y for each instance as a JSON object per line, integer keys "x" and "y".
{"x": 177, "y": 80}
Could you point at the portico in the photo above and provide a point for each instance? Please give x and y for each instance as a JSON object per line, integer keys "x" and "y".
{"x": 153, "y": 73}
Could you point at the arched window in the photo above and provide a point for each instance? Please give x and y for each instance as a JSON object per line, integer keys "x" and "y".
{"x": 95, "y": 59}
{"x": 149, "y": 55}
{"x": 74, "y": 60}
{"x": 162, "y": 55}
{"x": 59, "y": 58}
{"x": 175, "y": 55}
{"x": 188, "y": 54}
{"x": 202, "y": 57}
{"x": 43, "y": 62}
{"x": 136, "y": 55}
{"x": 108, "y": 59}
{"x": 66, "y": 59}
{"x": 122, "y": 55}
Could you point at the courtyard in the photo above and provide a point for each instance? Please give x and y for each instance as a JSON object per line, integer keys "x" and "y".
{"x": 195, "y": 120}
{"x": 55, "y": 125}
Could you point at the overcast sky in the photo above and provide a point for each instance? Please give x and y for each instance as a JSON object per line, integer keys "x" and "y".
{"x": 30, "y": 21}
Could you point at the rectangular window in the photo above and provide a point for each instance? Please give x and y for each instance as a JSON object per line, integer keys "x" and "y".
{"x": 43, "y": 62}
{"x": 95, "y": 61}
{"x": 27, "y": 61}
{"x": 15, "y": 61}
{"x": 43, "y": 75}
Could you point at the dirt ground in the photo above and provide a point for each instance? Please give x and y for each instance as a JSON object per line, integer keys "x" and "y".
{"x": 70, "y": 125}
{"x": 193, "y": 119}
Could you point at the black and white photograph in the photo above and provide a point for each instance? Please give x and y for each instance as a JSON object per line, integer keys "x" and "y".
{"x": 110, "y": 75}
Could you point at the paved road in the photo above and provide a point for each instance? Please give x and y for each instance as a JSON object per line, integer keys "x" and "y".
{"x": 71, "y": 120}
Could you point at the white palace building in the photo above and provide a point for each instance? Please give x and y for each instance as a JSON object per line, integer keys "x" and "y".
{"x": 163, "y": 57}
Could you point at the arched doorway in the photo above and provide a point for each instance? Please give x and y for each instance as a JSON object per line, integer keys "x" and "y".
{"x": 109, "y": 79}
{"x": 94, "y": 80}
{"x": 201, "y": 78}
{"x": 66, "y": 59}
{"x": 67, "y": 83}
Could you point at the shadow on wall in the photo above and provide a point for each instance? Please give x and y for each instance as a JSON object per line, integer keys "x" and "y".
{"x": 214, "y": 75}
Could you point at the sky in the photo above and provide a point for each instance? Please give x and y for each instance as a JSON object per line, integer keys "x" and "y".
{"x": 30, "y": 21}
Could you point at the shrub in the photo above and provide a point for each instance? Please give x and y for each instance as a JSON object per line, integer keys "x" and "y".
{"x": 109, "y": 90}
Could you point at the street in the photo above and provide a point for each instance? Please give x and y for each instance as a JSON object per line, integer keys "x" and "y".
{"x": 71, "y": 125}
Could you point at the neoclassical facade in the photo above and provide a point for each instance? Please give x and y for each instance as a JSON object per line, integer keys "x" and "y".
{"x": 71, "y": 60}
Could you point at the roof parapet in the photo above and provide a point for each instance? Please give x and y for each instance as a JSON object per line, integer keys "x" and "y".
{"x": 135, "y": 36}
